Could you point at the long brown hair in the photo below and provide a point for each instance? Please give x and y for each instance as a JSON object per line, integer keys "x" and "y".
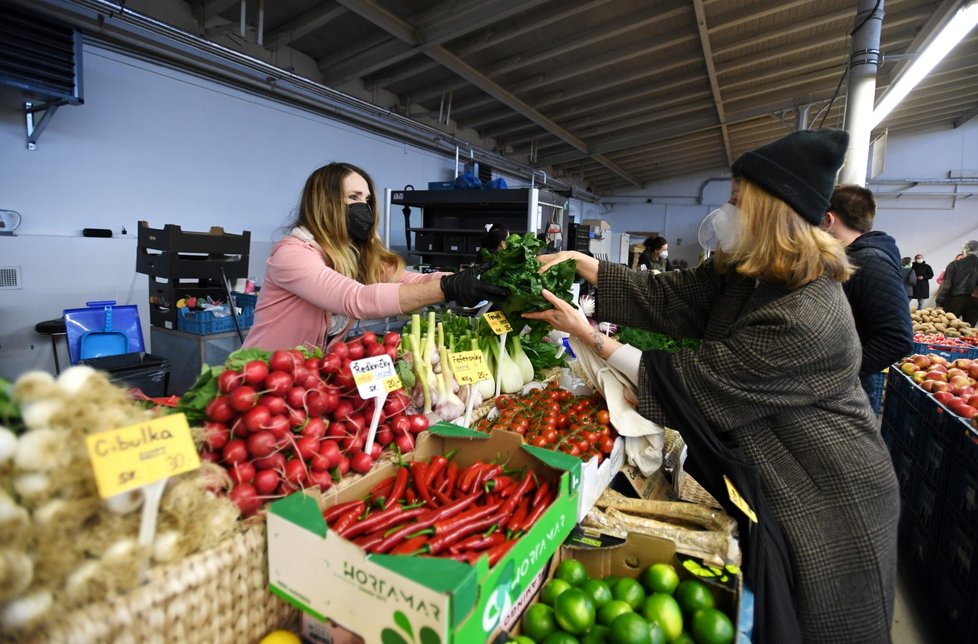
{"x": 777, "y": 245}
{"x": 322, "y": 211}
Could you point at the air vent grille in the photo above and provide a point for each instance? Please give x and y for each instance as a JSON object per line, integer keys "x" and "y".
{"x": 39, "y": 56}
{"x": 10, "y": 277}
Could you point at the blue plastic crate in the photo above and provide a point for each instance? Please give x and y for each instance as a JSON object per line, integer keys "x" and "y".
{"x": 205, "y": 323}
{"x": 946, "y": 351}
{"x": 245, "y": 300}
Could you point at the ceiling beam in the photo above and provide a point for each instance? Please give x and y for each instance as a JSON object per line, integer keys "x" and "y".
{"x": 753, "y": 40}
{"x": 712, "y": 74}
{"x": 215, "y": 8}
{"x": 304, "y": 24}
{"x": 739, "y": 17}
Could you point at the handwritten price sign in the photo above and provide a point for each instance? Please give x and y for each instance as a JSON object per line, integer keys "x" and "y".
{"x": 375, "y": 375}
{"x": 469, "y": 367}
{"x": 498, "y": 322}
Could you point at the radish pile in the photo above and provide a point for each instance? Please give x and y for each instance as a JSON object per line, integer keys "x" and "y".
{"x": 292, "y": 419}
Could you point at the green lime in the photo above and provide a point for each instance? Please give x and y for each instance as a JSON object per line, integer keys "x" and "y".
{"x": 660, "y": 578}
{"x": 684, "y": 638}
{"x": 693, "y": 595}
{"x": 657, "y": 634}
{"x": 597, "y": 635}
{"x": 610, "y": 580}
{"x": 572, "y": 571}
{"x": 560, "y": 637}
{"x": 664, "y": 611}
{"x": 629, "y": 591}
{"x": 598, "y": 590}
{"x": 574, "y": 611}
{"x": 711, "y": 626}
{"x": 611, "y": 610}
{"x": 521, "y": 639}
{"x": 551, "y": 589}
{"x": 539, "y": 621}
{"x": 629, "y": 628}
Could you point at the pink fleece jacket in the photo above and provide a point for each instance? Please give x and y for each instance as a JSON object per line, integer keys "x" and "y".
{"x": 301, "y": 292}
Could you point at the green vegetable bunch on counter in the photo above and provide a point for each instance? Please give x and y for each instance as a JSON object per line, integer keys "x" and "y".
{"x": 652, "y": 341}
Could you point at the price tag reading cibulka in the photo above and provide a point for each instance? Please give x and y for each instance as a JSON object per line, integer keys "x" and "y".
{"x": 131, "y": 457}
{"x": 738, "y": 500}
{"x": 375, "y": 375}
{"x": 469, "y": 367}
{"x": 498, "y": 322}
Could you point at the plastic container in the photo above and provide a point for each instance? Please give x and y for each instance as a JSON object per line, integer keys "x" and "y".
{"x": 149, "y": 373}
{"x": 102, "y": 328}
{"x": 206, "y": 323}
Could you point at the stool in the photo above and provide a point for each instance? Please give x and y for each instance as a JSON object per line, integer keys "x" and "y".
{"x": 53, "y": 328}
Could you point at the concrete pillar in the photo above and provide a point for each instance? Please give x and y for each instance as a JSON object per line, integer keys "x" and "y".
{"x": 864, "y": 60}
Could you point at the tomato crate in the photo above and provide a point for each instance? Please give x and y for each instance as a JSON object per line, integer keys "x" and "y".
{"x": 206, "y": 323}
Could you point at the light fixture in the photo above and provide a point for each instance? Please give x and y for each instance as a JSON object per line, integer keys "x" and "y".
{"x": 953, "y": 32}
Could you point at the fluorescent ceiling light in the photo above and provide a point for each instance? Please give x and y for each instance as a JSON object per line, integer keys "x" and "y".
{"x": 953, "y": 32}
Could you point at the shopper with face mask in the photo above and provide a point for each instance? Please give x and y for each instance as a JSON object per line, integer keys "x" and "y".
{"x": 655, "y": 257}
{"x": 770, "y": 402}
{"x": 332, "y": 269}
{"x": 923, "y": 274}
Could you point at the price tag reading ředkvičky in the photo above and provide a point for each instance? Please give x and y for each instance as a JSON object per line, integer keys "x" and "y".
{"x": 498, "y": 322}
{"x": 132, "y": 457}
{"x": 374, "y": 375}
{"x": 469, "y": 367}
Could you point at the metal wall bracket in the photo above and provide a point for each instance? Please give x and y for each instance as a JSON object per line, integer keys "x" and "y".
{"x": 37, "y": 118}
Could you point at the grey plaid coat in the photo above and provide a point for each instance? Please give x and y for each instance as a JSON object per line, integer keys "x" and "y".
{"x": 776, "y": 375}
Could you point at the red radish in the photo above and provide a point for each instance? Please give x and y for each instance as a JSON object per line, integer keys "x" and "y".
{"x": 316, "y": 401}
{"x": 316, "y": 428}
{"x": 261, "y": 444}
{"x": 343, "y": 467}
{"x": 281, "y": 361}
{"x": 323, "y": 480}
{"x": 266, "y": 481}
{"x": 278, "y": 383}
{"x": 217, "y": 435}
{"x": 257, "y": 418}
{"x": 295, "y": 472}
{"x": 219, "y": 410}
{"x": 356, "y": 422}
{"x": 275, "y": 404}
{"x": 285, "y": 488}
{"x": 344, "y": 379}
{"x": 279, "y": 425}
{"x": 314, "y": 363}
{"x": 331, "y": 452}
{"x": 396, "y": 403}
{"x": 376, "y": 350}
{"x": 210, "y": 456}
{"x": 306, "y": 446}
{"x": 375, "y": 450}
{"x": 400, "y": 425}
{"x": 243, "y": 398}
{"x": 340, "y": 350}
{"x": 404, "y": 442}
{"x": 343, "y": 410}
{"x": 228, "y": 381}
{"x": 246, "y": 498}
{"x": 392, "y": 352}
{"x": 336, "y": 429}
{"x": 419, "y": 423}
{"x": 332, "y": 364}
{"x": 360, "y": 462}
{"x": 235, "y": 452}
{"x": 356, "y": 350}
{"x": 242, "y": 472}
{"x": 255, "y": 372}
{"x": 239, "y": 429}
{"x": 296, "y": 397}
{"x": 319, "y": 463}
{"x": 312, "y": 381}
{"x": 298, "y": 357}
{"x": 297, "y": 417}
{"x": 274, "y": 461}
{"x": 392, "y": 339}
{"x": 299, "y": 374}
{"x": 384, "y": 435}
{"x": 353, "y": 443}
{"x": 368, "y": 338}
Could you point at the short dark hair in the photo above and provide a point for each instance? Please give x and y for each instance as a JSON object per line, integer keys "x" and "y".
{"x": 655, "y": 243}
{"x": 905, "y": 260}
{"x": 496, "y": 235}
{"x": 855, "y": 206}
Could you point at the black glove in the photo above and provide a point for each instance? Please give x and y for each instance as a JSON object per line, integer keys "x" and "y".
{"x": 467, "y": 290}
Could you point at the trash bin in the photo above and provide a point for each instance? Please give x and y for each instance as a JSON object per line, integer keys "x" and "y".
{"x": 148, "y": 372}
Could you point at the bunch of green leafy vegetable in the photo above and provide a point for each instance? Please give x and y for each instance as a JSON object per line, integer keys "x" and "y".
{"x": 515, "y": 266}
{"x": 653, "y": 341}
{"x": 10, "y": 414}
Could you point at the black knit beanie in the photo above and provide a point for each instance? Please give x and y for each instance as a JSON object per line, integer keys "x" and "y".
{"x": 800, "y": 169}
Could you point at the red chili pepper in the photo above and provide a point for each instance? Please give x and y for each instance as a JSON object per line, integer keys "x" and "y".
{"x": 333, "y": 513}
{"x": 442, "y": 497}
{"x": 452, "y": 523}
{"x": 480, "y": 541}
{"x": 502, "y": 482}
{"x": 381, "y": 490}
{"x": 541, "y": 493}
{"x": 519, "y": 515}
{"x": 467, "y": 477}
{"x": 436, "y": 467}
{"x": 411, "y": 546}
{"x": 536, "y": 513}
{"x": 419, "y": 472}
{"x": 514, "y": 499}
{"x": 451, "y": 475}
{"x": 398, "y": 487}
{"x": 425, "y": 520}
{"x": 347, "y": 518}
{"x": 498, "y": 552}
{"x": 367, "y": 541}
{"x": 443, "y": 541}
{"x": 410, "y": 496}
{"x": 491, "y": 473}
{"x": 373, "y": 522}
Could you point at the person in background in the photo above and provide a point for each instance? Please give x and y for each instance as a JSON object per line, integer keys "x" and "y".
{"x": 495, "y": 237}
{"x": 923, "y": 274}
{"x": 909, "y": 277}
{"x": 875, "y": 291}
{"x": 655, "y": 257}
{"x": 332, "y": 269}
{"x": 960, "y": 281}
{"x": 940, "y": 277}
{"x": 772, "y": 389}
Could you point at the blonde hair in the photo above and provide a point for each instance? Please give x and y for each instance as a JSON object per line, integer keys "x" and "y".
{"x": 778, "y": 245}
{"x": 322, "y": 211}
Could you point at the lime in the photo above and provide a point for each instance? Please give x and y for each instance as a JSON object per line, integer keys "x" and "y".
{"x": 598, "y": 590}
{"x": 658, "y": 635}
{"x": 551, "y": 589}
{"x": 560, "y": 637}
{"x": 521, "y": 639}
{"x": 572, "y": 571}
{"x": 660, "y": 578}
{"x": 611, "y": 610}
{"x": 574, "y": 611}
{"x": 539, "y": 621}
{"x": 629, "y": 628}
{"x": 684, "y": 638}
{"x": 629, "y": 591}
{"x": 711, "y": 626}
{"x": 664, "y": 611}
{"x": 610, "y": 580}
{"x": 693, "y": 595}
{"x": 597, "y": 635}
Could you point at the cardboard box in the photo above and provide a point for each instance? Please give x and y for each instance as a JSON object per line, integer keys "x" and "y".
{"x": 378, "y": 596}
{"x": 595, "y": 478}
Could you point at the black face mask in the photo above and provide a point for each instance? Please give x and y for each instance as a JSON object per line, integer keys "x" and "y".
{"x": 359, "y": 222}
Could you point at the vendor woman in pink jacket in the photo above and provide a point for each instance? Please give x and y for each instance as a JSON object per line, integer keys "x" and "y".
{"x": 332, "y": 269}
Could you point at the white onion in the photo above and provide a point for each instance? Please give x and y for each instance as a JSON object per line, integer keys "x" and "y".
{"x": 37, "y": 450}
{"x": 125, "y": 502}
{"x": 8, "y": 444}
{"x": 18, "y": 613}
{"x": 37, "y": 415}
{"x": 33, "y": 486}
{"x": 73, "y": 380}
{"x": 48, "y": 512}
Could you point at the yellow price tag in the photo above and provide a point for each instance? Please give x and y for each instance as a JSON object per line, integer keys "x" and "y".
{"x": 469, "y": 367}
{"x": 498, "y": 322}
{"x": 131, "y": 457}
{"x": 739, "y": 500}
{"x": 363, "y": 378}
{"x": 392, "y": 384}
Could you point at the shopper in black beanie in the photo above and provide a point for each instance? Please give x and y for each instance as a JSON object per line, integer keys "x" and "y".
{"x": 770, "y": 401}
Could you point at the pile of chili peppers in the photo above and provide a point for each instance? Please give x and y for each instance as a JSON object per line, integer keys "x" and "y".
{"x": 438, "y": 508}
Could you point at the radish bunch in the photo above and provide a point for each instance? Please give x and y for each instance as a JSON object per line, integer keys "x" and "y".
{"x": 295, "y": 420}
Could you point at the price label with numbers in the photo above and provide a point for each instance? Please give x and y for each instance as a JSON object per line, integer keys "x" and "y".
{"x": 374, "y": 376}
{"x": 498, "y": 322}
{"x": 131, "y": 457}
{"x": 738, "y": 500}
{"x": 469, "y": 367}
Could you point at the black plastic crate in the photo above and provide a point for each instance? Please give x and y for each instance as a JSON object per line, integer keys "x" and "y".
{"x": 427, "y": 242}
{"x": 919, "y": 555}
{"x": 904, "y": 470}
{"x": 958, "y": 551}
{"x": 901, "y": 418}
{"x": 148, "y": 372}
{"x": 474, "y": 244}
{"x": 172, "y": 238}
{"x": 181, "y": 265}
{"x": 962, "y": 497}
{"x": 166, "y": 293}
{"x": 455, "y": 244}
{"x": 935, "y": 455}
{"x": 953, "y": 606}
{"x": 927, "y": 506}
{"x": 965, "y": 440}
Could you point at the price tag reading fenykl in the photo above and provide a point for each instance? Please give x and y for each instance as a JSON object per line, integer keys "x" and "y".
{"x": 498, "y": 322}
{"x": 375, "y": 375}
{"x": 131, "y": 457}
{"x": 469, "y": 367}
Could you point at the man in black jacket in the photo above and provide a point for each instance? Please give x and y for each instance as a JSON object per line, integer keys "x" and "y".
{"x": 923, "y": 274}
{"x": 875, "y": 292}
{"x": 960, "y": 282}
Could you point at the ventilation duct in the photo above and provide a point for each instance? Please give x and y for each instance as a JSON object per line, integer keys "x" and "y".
{"x": 40, "y": 57}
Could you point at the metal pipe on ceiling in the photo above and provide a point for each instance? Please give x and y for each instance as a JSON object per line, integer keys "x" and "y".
{"x": 863, "y": 63}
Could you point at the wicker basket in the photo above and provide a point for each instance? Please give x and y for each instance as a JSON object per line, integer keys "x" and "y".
{"x": 220, "y": 595}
